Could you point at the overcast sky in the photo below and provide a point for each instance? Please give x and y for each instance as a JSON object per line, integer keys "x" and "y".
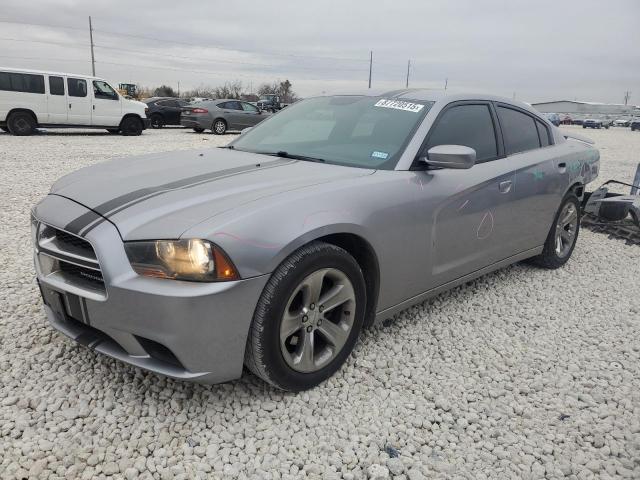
{"x": 539, "y": 50}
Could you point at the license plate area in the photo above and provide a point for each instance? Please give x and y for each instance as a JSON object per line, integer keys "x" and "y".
{"x": 65, "y": 305}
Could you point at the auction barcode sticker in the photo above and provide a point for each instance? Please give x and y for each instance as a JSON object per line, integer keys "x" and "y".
{"x": 399, "y": 105}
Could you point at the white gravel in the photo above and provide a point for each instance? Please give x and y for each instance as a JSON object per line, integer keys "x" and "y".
{"x": 525, "y": 373}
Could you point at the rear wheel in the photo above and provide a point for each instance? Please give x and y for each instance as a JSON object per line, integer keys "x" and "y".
{"x": 563, "y": 235}
{"x": 157, "y": 121}
{"x": 308, "y": 318}
{"x": 131, "y": 126}
{"x": 21, "y": 123}
{"x": 219, "y": 127}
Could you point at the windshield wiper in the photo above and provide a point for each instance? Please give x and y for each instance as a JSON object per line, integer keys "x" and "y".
{"x": 292, "y": 156}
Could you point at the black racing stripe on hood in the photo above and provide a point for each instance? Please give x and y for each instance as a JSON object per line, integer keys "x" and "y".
{"x": 88, "y": 221}
{"x": 82, "y": 221}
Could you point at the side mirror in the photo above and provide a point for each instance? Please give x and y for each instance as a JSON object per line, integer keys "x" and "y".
{"x": 450, "y": 156}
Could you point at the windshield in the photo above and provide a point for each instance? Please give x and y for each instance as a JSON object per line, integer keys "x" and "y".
{"x": 357, "y": 131}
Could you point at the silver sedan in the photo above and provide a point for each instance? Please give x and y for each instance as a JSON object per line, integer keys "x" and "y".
{"x": 276, "y": 251}
{"x": 221, "y": 115}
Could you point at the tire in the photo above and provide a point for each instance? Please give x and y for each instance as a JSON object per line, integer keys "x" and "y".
{"x": 157, "y": 121}
{"x": 271, "y": 354}
{"x": 131, "y": 127}
{"x": 550, "y": 257}
{"x": 113, "y": 131}
{"x": 219, "y": 126}
{"x": 21, "y": 124}
{"x": 198, "y": 130}
{"x": 584, "y": 126}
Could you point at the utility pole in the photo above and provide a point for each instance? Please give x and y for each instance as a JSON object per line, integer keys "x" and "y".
{"x": 370, "y": 66}
{"x": 627, "y": 97}
{"x": 178, "y": 88}
{"x": 93, "y": 60}
{"x": 408, "y": 67}
{"x": 446, "y": 82}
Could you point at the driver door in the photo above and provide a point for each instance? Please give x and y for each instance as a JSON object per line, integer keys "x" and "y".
{"x": 252, "y": 115}
{"x": 107, "y": 107}
{"x": 468, "y": 212}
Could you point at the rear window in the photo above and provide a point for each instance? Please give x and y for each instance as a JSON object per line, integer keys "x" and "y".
{"x": 519, "y": 131}
{"x": 21, "y": 82}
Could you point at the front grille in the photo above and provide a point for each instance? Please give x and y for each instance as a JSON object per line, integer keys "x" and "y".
{"x": 68, "y": 261}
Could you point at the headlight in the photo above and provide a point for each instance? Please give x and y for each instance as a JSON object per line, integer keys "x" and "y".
{"x": 190, "y": 259}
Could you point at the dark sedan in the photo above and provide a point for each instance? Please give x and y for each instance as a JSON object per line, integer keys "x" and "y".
{"x": 165, "y": 110}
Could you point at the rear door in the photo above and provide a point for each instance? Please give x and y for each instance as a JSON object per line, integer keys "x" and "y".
{"x": 538, "y": 175}
{"x": 107, "y": 105}
{"x": 57, "y": 100}
{"x": 78, "y": 101}
{"x": 233, "y": 114}
{"x": 466, "y": 212}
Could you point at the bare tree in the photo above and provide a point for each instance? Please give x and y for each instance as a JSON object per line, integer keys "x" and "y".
{"x": 164, "y": 91}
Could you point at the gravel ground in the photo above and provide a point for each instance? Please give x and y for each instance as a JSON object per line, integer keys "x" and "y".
{"x": 524, "y": 373}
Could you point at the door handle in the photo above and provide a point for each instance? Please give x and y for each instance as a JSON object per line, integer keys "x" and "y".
{"x": 69, "y": 105}
{"x": 94, "y": 107}
{"x": 562, "y": 167}
{"x": 505, "y": 187}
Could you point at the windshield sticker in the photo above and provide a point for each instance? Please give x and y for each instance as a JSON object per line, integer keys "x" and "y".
{"x": 382, "y": 155}
{"x": 399, "y": 105}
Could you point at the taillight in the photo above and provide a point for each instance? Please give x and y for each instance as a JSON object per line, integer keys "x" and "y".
{"x": 200, "y": 110}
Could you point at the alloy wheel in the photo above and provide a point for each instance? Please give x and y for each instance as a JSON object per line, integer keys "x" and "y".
{"x": 317, "y": 320}
{"x": 566, "y": 228}
{"x": 219, "y": 127}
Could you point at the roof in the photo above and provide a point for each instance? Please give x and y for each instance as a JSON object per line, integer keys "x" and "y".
{"x": 47, "y": 72}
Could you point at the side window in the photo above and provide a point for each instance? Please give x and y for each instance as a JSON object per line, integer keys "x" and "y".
{"x": 166, "y": 103}
{"x": 182, "y": 103}
{"x": 468, "y": 125}
{"x": 519, "y": 130}
{"x": 104, "y": 91}
{"x": 5, "y": 81}
{"x": 223, "y": 105}
{"x": 56, "y": 85}
{"x": 22, "y": 82}
{"x": 233, "y": 106}
{"x": 247, "y": 107}
{"x": 543, "y": 133}
{"x": 76, "y": 87}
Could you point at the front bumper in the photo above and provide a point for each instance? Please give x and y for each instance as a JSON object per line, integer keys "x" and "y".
{"x": 186, "y": 330}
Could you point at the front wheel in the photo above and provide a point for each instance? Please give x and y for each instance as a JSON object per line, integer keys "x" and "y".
{"x": 219, "y": 127}
{"x": 131, "y": 126}
{"x": 308, "y": 318}
{"x": 157, "y": 121}
{"x": 563, "y": 235}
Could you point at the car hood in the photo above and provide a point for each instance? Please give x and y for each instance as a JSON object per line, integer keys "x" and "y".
{"x": 163, "y": 195}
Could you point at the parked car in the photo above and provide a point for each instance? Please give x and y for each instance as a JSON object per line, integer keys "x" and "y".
{"x": 221, "y": 115}
{"x": 334, "y": 214}
{"x": 553, "y": 118}
{"x": 165, "y": 110}
{"x": 622, "y": 122}
{"x": 635, "y": 124}
{"x": 566, "y": 120}
{"x": 594, "y": 123}
{"x": 31, "y": 98}
{"x": 270, "y": 103}
{"x": 577, "y": 120}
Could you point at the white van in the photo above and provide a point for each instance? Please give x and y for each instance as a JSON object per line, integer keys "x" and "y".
{"x": 31, "y": 99}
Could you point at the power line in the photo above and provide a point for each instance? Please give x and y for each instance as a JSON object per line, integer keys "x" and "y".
{"x": 48, "y": 42}
{"x": 41, "y": 25}
{"x": 254, "y": 52}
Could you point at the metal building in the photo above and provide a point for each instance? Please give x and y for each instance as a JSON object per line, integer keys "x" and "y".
{"x": 575, "y": 107}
